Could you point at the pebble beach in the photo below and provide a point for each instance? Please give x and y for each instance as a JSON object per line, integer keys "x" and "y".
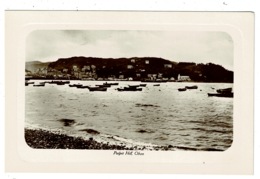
{"x": 43, "y": 139}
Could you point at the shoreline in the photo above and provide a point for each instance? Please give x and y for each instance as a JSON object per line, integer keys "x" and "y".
{"x": 44, "y": 139}
{"x": 118, "y": 80}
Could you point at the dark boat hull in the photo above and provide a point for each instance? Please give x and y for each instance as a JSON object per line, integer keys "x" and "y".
{"x": 182, "y": 89}
{"x": 225, "y": 90}
{"x": 227, "y": 95}
{"x": 76, "y": 85}
{"x": 38, "y": 85}
{"x": 60, "y": 83}
{"x": 97, "y": 89}
{"x": 28, "y": 83}
{"x": 110, "y": 84}
{"x": 133, "y": 86}
{"x": 82, "y": 87}
{"x": 129, "y": 89}
{"x": 104, "y": 86}
{"x": 191, "y": 87}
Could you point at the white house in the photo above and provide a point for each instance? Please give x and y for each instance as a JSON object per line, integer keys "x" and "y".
{"x": 132, "y": 60}
{"x": 183, "y": 78}
{"x": 167, "y": 65}
{"x": 130, "y": 66}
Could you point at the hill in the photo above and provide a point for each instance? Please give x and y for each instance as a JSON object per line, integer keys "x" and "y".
{"x": 115, "y": 66}
{"x": 35, "y": 65}
{"x": 137, "y": 68}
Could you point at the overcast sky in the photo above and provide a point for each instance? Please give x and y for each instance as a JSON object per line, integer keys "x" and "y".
{"x": 178, "y": 46}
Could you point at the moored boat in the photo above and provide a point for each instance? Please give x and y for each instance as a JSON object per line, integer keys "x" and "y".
{"x": 28, "y": 83}
{"x": 39, "y": 85}
{"x": 191, "y": 87}
{"x": 104, "y": 86}
{"x": 225, "y": 90}
{"x": 143, "y": 85}
{"x": 82, "y": 87}
{"x": 133, "y": 86}
{"x": 57, "y": 82}
{"x": 228, "y": 95}
{"x": 97, "y": 88}
{"x": 75, "y": 85}
{"x": 106, "y": 83}
{"x": 129, "y": 89}
{"x": 51, "y": 82}
{"x": 181, "y": 89}
{"x": 60, "y": 83}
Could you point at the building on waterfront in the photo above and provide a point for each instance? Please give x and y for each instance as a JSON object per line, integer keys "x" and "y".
{"x": 183, "y": 78}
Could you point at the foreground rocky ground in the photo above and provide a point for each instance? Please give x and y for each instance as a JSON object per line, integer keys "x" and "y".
{"x": 42, "y": 139}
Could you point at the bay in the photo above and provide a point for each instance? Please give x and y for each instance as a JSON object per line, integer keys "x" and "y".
{"x": 159, "y": 115}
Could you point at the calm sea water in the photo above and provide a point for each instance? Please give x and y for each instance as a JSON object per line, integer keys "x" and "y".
{"x": 159, "y": 115}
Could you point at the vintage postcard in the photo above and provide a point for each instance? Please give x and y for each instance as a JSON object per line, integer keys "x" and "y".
{"x": 141, "y": 92}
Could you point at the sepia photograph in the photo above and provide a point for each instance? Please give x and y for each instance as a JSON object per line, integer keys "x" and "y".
{"x": 129, "y": 90}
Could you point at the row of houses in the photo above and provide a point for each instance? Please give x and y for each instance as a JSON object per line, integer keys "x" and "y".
{"x": 90, "y": 72}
